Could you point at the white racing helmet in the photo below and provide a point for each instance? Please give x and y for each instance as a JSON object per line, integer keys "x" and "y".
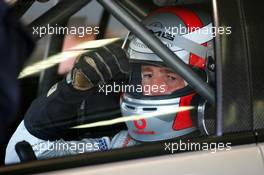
{"x": 188, "y": 34}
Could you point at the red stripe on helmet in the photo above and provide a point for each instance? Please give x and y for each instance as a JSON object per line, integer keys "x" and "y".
{"x": 183, "y": 119}
{"x": 192, "y": 21}
{"x": 197, "y": 61}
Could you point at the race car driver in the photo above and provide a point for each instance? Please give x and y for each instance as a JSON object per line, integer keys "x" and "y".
{"x": 162, "y": 90}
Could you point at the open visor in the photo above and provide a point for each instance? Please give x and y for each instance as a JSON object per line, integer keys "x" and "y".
{"x": 151, "y": 78}
{"x": 155, "y": 81}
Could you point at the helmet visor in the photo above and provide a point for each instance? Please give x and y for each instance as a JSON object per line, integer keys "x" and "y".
{"x": 153, "y": 80}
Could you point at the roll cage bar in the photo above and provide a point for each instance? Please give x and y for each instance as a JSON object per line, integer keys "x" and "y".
{"x": 63, "y": 10}
{"x": 160, "y": 49}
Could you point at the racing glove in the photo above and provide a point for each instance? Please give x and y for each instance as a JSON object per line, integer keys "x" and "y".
{"x": 98, "y": 67}
{"x": 50, "y": 116}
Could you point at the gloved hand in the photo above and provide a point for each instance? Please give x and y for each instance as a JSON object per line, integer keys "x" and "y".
{"x": 98, "y": 67}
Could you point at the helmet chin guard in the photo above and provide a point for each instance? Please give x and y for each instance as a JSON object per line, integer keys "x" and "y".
{"x": 161, "y": 117}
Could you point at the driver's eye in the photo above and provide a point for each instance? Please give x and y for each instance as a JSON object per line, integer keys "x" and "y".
{"x": 170, "y": 77}
{"x": 147, "y": 75}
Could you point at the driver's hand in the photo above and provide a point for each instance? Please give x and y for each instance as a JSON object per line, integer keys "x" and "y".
{"x": 98, "y": 67}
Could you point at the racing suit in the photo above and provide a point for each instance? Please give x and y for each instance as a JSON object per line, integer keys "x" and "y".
{"x": 46, "y": 125}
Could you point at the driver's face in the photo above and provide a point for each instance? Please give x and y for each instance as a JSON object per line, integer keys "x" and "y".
{"x": 166, "y": 80}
